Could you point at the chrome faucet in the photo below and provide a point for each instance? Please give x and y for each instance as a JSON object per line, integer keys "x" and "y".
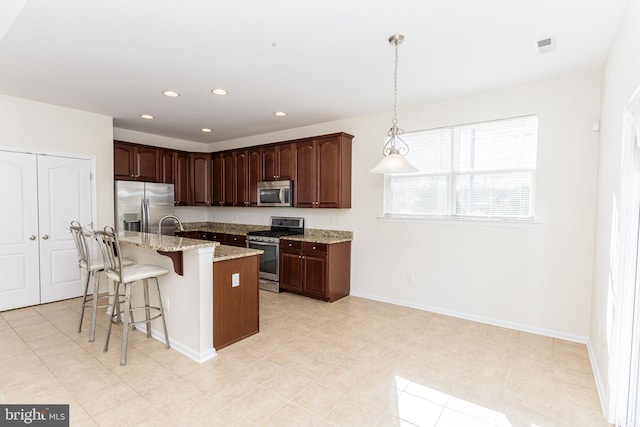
{"x": 168, "y": 217}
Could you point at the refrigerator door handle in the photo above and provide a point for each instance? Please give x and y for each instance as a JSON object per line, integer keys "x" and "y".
{"x": 145, "y": 216}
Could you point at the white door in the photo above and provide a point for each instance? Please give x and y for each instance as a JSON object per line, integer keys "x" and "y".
{"x": 19, "y": 235}
{"x": 64, "y": 195}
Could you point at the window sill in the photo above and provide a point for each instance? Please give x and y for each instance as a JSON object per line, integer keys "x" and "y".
{"x": 463, "y": 221}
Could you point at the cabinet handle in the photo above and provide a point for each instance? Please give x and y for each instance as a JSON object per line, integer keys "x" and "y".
{"x": 314, "y": 247}
{"x": 32, "y": 237}
{"x": 45, "y": 237}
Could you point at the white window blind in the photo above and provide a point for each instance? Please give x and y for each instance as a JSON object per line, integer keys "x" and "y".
{"x": 480, "y": 170}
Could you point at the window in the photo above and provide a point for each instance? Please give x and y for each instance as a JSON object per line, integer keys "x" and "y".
{"x": 479, "y": 170}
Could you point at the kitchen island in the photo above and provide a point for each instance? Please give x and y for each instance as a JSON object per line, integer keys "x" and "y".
{"x": 187, "y": 291}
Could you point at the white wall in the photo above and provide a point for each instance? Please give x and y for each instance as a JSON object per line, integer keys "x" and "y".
{"x": 44, "y": 128}
{"x": 157, "y": 140}
{"x": 621, "y": 78}
{"x": 536, "y": 278}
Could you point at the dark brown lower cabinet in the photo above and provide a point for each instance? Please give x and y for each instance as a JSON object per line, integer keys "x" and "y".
{"x": 316, "y": 270}
{"x": 235, "y": 308}
{"x": 224, "y": 238}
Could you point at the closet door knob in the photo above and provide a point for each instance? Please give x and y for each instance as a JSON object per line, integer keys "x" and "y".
{"x": 45, "y": 237}
{"x": 32, "y": 237}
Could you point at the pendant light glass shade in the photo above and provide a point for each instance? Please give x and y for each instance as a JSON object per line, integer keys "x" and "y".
{"x": 395, "y": 150}
{"x": 394, "y": 163}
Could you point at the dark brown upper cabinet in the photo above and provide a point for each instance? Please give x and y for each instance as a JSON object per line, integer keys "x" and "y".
{"x": 323, "y": 172}
{"x": 134, "y": 162}
{"x": 319, "y": 166}
{"x": 167, "y": 169}
{"x": 181, "y": 178}
{"x": 278, "y": 162}
{"x": 200, "y": 172}
{"x": 247, "y": 173}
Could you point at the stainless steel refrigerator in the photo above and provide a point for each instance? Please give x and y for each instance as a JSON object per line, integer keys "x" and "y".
{"x": 140, "y": 205}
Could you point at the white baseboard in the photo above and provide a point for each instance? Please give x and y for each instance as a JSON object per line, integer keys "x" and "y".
{"x": 475, "y": 318}
{"x": 602, "y": 391}
{"x": 179, "y": 347}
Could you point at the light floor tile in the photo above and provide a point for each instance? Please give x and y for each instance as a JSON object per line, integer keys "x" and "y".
{"x": 354, "y": 362}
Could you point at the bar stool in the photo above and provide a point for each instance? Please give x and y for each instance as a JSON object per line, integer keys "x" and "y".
{"x": 93, "y": 267}
{"x": 125, "y": 276}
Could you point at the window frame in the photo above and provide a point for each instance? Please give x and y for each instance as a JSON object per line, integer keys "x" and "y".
{"x": 454, "y": 173}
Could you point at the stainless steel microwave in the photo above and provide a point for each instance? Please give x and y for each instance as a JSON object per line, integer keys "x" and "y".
{"x": 275, "y": 193}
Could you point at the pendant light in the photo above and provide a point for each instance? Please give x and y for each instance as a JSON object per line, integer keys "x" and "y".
{"x": 395, "y": 149}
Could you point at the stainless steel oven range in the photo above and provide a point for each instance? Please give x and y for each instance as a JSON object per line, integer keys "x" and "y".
{"x": 269, "y": 242}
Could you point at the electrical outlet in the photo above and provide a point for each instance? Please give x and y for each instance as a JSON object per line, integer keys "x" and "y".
{"x": 332, "y": 220}
{"x": 167, "y": 305}
{"x": 409, "y": 279}
{"x": 235, "y": 280}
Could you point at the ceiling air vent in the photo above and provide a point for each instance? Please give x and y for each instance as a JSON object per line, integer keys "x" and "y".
{"x": 546, "y": 45}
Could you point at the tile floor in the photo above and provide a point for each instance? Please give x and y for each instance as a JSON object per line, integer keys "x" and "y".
{"x": 354, "y": 362}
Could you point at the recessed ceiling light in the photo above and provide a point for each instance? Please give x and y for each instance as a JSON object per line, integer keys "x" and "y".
{"x": 280, "y": 113}
{"x": 219, "y": 91}
{"x": 147, "y": 116}
{"x": 170, "y": 93}
{"x": 206, "y": 130}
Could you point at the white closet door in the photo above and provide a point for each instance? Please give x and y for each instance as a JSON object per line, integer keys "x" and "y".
{"x": 19, "y": 236}
{"x": 64, "y": 195}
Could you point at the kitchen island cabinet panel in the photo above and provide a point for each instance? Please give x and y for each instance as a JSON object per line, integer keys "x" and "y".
{"x": 235, "y": 308}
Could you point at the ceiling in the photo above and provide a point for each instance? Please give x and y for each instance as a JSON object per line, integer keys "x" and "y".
{"x": 318, "y": 61}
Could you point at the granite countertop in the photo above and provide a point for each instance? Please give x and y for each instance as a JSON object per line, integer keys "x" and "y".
{"x": 221, "y": 227}
{"x": 310, "y": 234}
{"x": 225, "y": 253}
{"x": 322, "y": 236}
{"x": 162, "y": 243}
